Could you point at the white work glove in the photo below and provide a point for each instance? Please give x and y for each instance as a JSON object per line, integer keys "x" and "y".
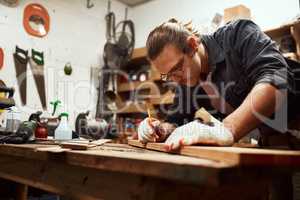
{"x": 153, "y": 130}
{"x": 196, "y": 132}
{"x": 147, "y": 130}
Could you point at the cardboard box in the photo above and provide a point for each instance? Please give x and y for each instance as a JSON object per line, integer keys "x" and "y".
{"x": 236, "y": 12}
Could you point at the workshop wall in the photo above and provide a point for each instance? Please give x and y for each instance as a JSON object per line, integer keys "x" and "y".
{"x": 77, "y": 35}
{"x": 266, "y": 14}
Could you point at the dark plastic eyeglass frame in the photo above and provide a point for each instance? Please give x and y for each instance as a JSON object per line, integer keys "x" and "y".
{"x": 176, "y": 68}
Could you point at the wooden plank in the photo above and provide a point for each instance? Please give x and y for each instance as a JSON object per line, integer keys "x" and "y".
{"x": 53, "y": 149}
{"x": 25, "y": 150}
{"x": 174, "y": 167}
{"x": 95, "y": 174}
{"x": 235, "y": 155}
{"x": 125, "y": 159}
{"x": 136, "y": 143}
{"x": 83, "y": 145}
{"x": 90, "y": 184}
{"x": 71, "y": 181}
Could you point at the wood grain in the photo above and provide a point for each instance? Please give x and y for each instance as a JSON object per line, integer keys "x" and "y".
{"x": 234, "y": 155}
{"x": 125, "y": 159}
{"x": 83, "y": 183}
{"x": 281, "y": 30}
{"x": 83, "y": 145}
{"x": 135, "y": 173}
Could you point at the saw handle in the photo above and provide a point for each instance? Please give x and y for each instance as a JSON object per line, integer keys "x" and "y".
{"x": 8, "y": 90}
{"x": 21, "y": 55}
{"x": 37, "y": 57}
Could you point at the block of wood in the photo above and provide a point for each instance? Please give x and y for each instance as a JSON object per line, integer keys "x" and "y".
{"x": 83, "y": 145}
{"x": 233, "y": 155}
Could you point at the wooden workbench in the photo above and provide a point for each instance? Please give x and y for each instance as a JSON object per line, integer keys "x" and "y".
{"x": 115, "y": 171}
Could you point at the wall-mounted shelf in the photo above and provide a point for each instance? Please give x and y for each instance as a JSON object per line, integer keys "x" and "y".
{"x": 135, "y": 85}
{"x": 153, "y": 90}
{"x": 167, "y": 98}
{"x": 133, "y": 107}
{"x": 137, "y": 108}
{"x": 291, "y": 29}
{"x": 139, "y": 53}
{"x": 281, "y": 30}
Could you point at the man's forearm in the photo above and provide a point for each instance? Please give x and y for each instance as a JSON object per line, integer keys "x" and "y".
{"x": 260, "y": 101}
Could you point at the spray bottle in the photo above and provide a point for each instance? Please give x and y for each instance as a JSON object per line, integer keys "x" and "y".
{"x": 63, "y": 131}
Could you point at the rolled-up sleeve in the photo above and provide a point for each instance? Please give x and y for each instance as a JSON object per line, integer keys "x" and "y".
{"x": 260, "y": 56}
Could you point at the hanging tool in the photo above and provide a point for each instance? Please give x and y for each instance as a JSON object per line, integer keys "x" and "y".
{"x": 120, "y": 40}
{"x": 37, "y": 67}
{"x": 21, "y": 59}
{"x": 117, "y": 52}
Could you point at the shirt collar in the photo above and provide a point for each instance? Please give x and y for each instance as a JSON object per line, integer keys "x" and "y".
{"x": 215, "y": 52}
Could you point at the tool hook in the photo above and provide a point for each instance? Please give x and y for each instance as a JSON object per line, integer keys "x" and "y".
{"x": 89, "y": 4}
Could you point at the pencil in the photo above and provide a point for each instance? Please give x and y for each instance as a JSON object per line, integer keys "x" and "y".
{"x": 149, "y": 122}
{"x": 149, "y": 114}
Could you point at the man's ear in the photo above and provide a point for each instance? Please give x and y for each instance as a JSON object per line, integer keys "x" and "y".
{"x": 192, "y": 42}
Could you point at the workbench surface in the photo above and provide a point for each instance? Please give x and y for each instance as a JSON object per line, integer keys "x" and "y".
{"x": 119, "y": 171}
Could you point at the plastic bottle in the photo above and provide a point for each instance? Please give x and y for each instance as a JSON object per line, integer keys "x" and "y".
{"x": 13, "y": 120}
{"x": 63, "y": 131}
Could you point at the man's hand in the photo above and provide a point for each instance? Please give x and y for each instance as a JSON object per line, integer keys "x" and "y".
{"x": 152, "y": 130}
{"x": 147, "y": 130}
{"x": 198, "y": 133}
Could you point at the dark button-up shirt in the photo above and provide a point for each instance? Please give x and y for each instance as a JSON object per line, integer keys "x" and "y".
{"x": 241, "y": 56}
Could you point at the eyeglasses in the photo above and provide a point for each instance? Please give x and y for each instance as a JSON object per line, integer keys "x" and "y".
{"x": 178, "y": 67}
